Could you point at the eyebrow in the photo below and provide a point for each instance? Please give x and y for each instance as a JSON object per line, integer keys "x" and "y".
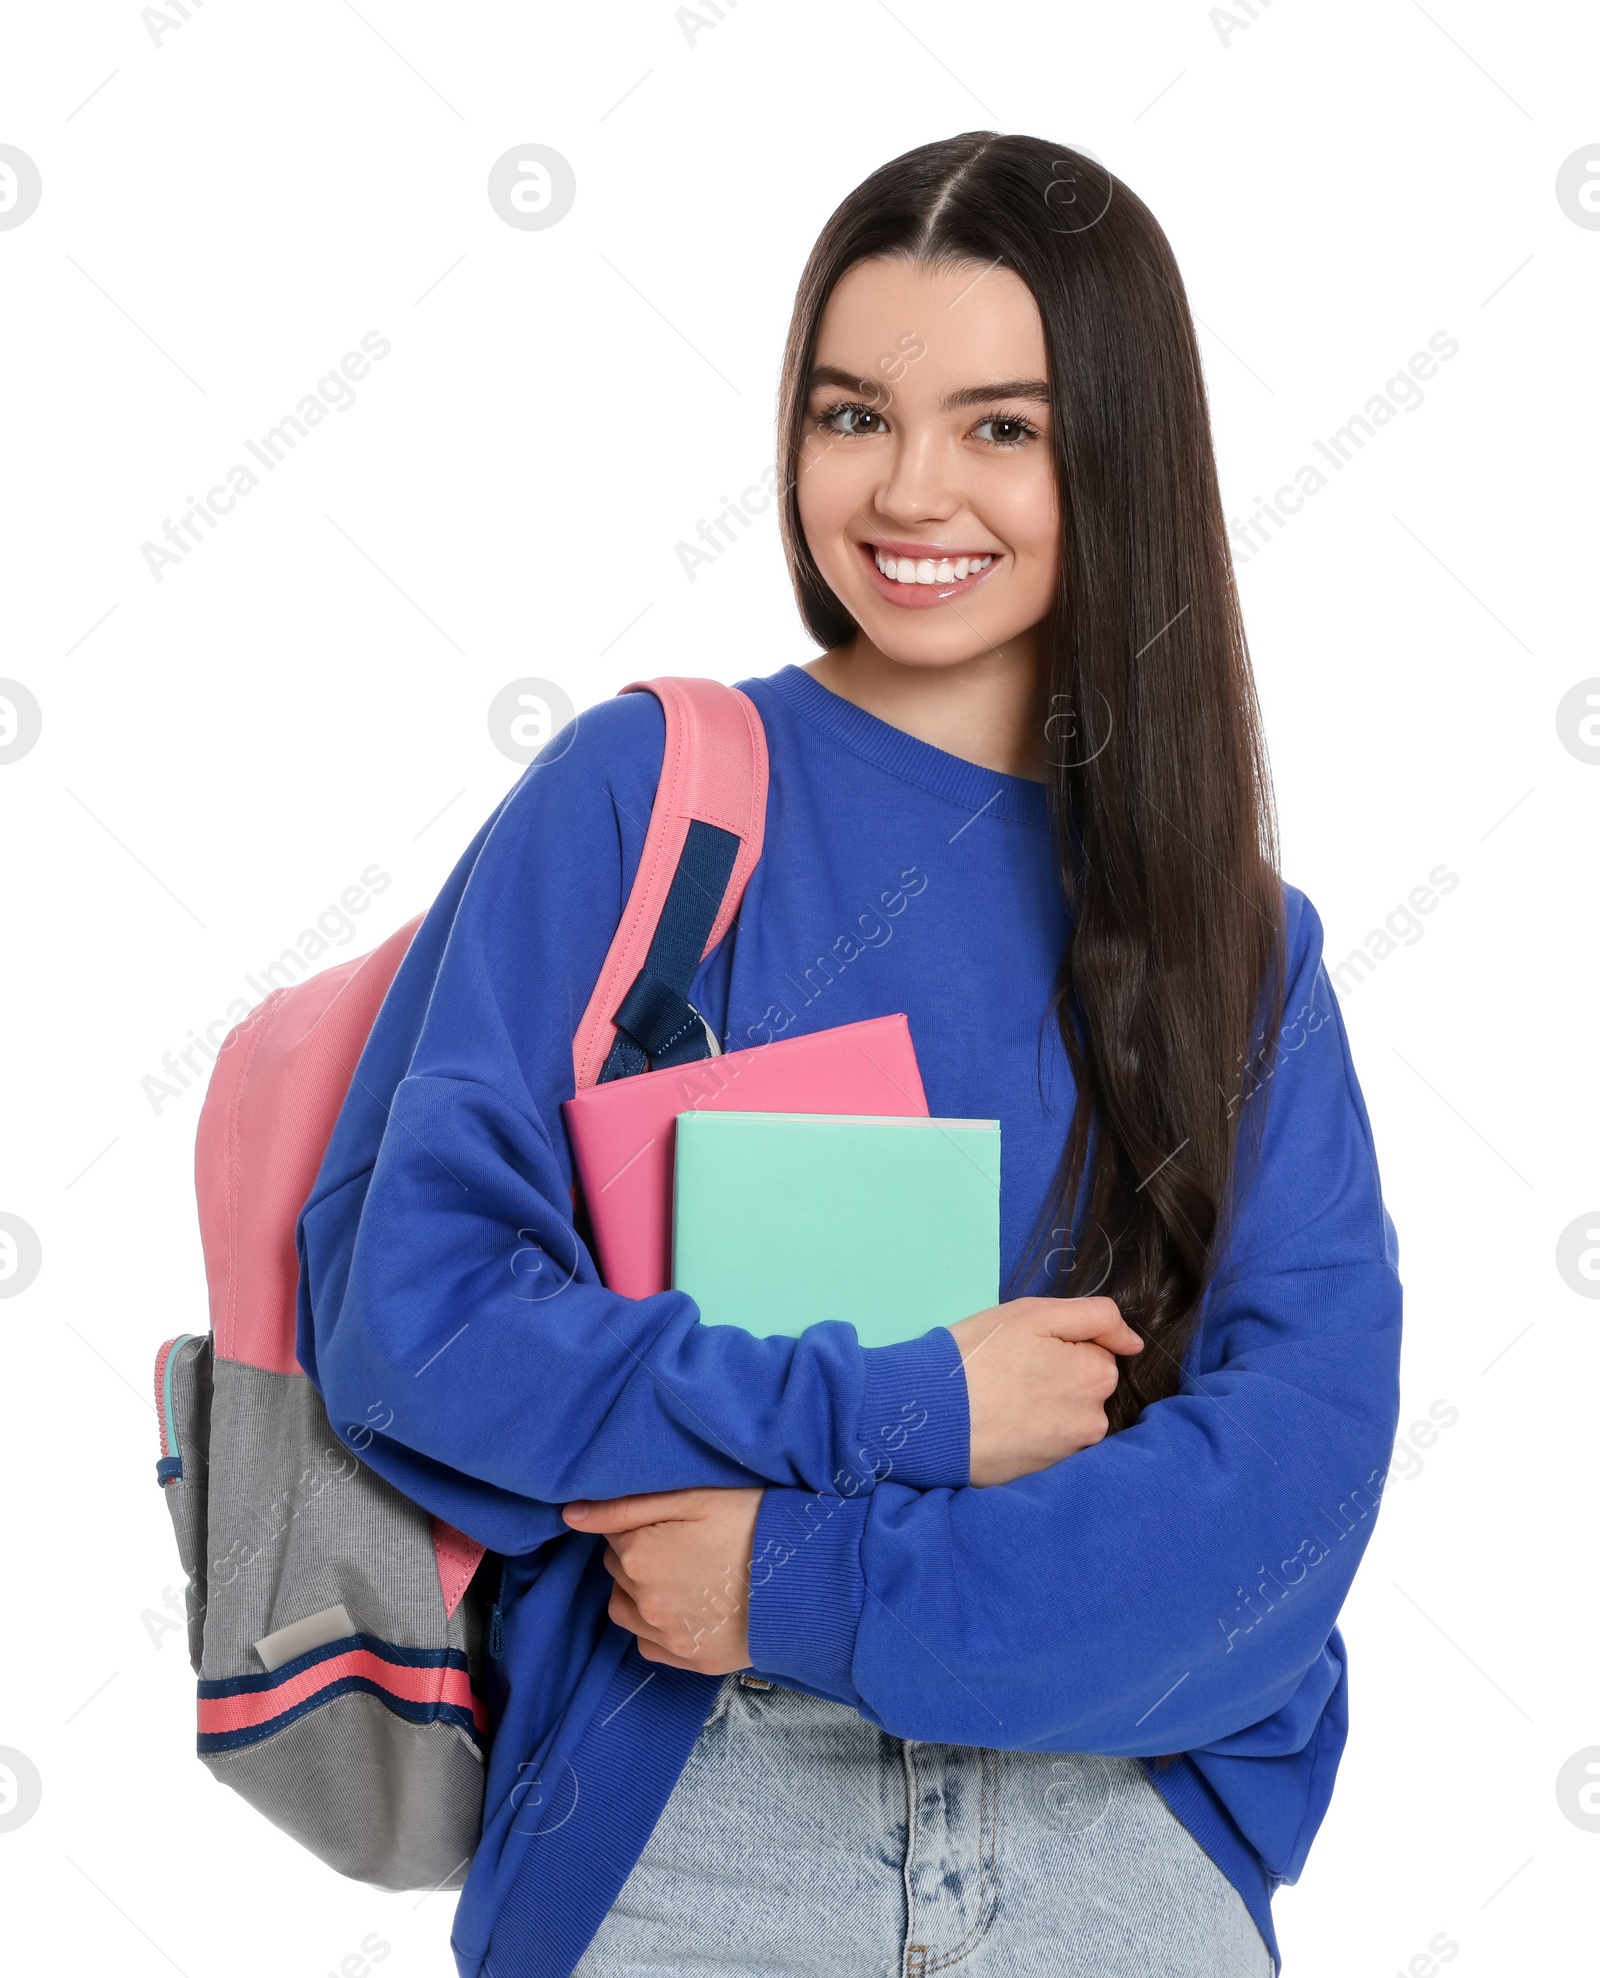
{"x": 1035, "y": 389}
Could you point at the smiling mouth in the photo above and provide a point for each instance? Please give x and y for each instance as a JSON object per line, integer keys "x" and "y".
{"x": 900, "y": 569}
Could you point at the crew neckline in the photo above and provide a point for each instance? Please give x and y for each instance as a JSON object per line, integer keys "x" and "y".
{"x": 993, "y": 792}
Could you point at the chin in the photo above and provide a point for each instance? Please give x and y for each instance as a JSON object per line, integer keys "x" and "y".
{"x": 930, "y": 639}
{"x": 929, "y": 653}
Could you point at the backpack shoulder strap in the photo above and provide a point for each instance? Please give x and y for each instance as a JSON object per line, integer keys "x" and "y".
{"x": 703, "y": 842}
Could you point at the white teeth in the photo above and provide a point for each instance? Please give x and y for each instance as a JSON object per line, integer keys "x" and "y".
{"x": 902, "y": 569}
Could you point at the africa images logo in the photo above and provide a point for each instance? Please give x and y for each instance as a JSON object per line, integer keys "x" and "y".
{"x": 334, "y": 392}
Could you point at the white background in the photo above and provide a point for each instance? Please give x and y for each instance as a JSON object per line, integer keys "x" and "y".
{"x": 305, "y": 694}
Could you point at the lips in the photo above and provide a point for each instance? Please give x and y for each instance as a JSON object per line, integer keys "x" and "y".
{"x": 917, "y": 575}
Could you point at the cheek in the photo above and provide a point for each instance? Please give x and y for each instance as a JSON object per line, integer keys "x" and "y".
{"x": 828, "y": 491}
{"x": 1025, "y": 513}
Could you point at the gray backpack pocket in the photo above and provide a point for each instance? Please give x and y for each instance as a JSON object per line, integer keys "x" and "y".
{"x": 337, "y": 1690}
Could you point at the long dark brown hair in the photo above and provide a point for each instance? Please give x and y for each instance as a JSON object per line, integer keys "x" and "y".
{"x": 1170, "y": 991}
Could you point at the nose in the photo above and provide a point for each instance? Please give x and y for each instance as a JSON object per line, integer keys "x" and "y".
{"x": 919, "y": 485}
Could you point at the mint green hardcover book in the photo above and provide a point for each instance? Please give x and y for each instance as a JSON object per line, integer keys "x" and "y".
{"x": 781, "y": 1220}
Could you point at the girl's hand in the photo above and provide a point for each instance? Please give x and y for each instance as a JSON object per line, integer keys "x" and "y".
{"x": 681, "y": 1563}
{"x": 1039, "y": 1373}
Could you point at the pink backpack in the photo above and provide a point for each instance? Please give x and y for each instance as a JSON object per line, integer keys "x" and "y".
{"x": 335, "y": 1627}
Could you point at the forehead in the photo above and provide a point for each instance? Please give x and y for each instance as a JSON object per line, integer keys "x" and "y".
{"x": 973, "y": 320}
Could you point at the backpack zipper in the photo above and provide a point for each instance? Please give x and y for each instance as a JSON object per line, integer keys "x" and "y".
{"x": 497, "y": 1632}
{"x": 170, "y": 1467}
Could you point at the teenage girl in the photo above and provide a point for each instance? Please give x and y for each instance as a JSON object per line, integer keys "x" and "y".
{"x": 1011, "y": 1649}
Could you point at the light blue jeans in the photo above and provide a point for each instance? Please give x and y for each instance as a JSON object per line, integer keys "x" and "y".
{"x": 802, "y": 1839}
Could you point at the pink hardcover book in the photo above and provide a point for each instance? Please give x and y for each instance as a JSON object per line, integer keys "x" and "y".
{"x": 622, "y": 1133}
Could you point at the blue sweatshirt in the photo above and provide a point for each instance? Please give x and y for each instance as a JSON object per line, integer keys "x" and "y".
{"x": 1170, "y": 1594}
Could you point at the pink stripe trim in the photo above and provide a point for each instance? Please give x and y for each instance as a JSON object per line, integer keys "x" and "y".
{"x": 219, "y": 1714}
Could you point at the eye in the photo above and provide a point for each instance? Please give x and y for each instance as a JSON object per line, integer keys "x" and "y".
{"x": 850, "y": 420}
{"x": 1006, "y": 429}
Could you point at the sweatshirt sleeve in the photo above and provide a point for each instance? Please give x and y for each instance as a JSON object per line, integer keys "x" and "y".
{"x": 450, "y": 1314}
{"x": 1175, "y": 1587}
